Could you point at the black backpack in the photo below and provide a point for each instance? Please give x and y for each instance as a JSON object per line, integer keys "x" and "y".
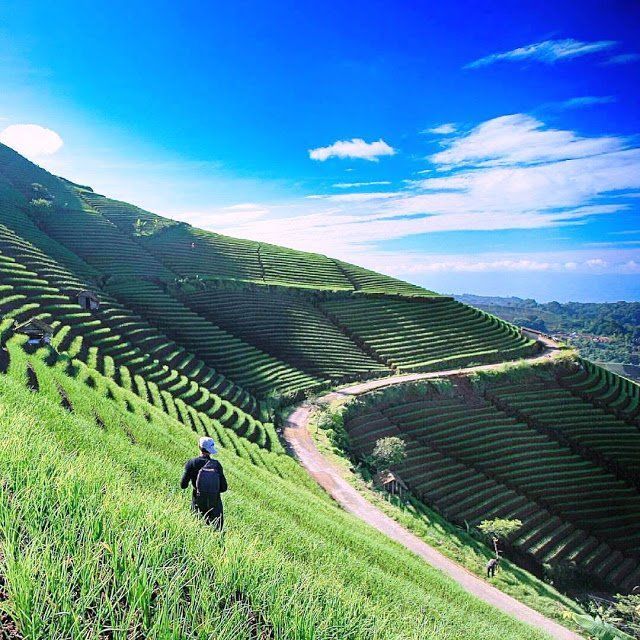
{"x": 208, "y": 480}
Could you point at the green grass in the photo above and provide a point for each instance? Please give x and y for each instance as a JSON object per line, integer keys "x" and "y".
{"x": 95, "y": 535}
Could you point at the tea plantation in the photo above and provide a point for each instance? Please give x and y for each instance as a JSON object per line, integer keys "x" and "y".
{"x": 556, "y": 447}
{"x": 201, "y": 334}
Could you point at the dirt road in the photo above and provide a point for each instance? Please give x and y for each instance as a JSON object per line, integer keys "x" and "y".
{"x": 297, "y": 435}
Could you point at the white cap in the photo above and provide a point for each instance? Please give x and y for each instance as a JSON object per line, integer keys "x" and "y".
{"x": 208, "y": 445}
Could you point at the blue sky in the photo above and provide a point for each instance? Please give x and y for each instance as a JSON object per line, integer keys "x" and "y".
{"x": 490, "y": 148}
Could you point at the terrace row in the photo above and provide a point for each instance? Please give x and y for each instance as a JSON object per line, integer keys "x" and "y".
{"x": 424, "y": 335}
{"x": 474, "y": 462}
{"x": 81, "y": 333}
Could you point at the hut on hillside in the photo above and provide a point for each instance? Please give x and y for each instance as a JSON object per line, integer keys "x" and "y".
{"x": 390, "y": 482}
{"x": 88, "y": 300}
{"x": 38, "y": 331}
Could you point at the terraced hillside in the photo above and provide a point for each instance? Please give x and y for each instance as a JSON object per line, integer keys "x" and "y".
{"x": 198, "y": 333}
{"x": 149, "y": 273}
{"x": 96, "y": 543}
{"x": 36, "y": 286}
{"x": 222, "y": 350}
{"x": 556, "y": 447}
{"x": 290, "y": 325}
{"x": 428, "y": 333}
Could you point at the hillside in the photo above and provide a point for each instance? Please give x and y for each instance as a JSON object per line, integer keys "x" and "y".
{"x": 556, "y": 446}
{"x": 160, "y": 284}
{"x": 94, "y": 537}
{"x": 198, "y": 333}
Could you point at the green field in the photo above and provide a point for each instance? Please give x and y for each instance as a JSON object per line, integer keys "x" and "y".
{"x": 555, "y": 446}
{"x": 198, "y": 333}
{"x": 95, "y": 536}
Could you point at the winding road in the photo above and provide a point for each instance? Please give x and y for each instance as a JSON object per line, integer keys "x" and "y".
{"x": 330, "y": 478}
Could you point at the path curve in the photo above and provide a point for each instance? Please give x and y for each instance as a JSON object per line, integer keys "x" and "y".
{"x": 329, "y": 477}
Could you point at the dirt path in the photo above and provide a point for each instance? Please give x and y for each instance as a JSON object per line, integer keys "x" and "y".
{"x": 330, "y": 478}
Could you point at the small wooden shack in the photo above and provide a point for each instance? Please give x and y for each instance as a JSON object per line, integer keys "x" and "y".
{"x": 88, "y": 300}
{"x": 38, "y": 331}
{"x": 390, "y": 482}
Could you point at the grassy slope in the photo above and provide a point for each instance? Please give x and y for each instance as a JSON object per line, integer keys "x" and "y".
{"x": 601, "y": 447}
{"x": 95, "y": 536}
{"x": 450, "y": 540}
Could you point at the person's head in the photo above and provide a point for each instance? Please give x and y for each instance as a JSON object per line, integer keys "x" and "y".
{"x": 207, "y": 446}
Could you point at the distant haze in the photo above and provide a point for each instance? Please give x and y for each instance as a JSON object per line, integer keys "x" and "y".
{"x": 548, "y": 287}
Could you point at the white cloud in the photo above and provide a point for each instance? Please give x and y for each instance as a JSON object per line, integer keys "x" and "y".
{"x": 508, "y": 173}
{"x": 31, "y": 140}
{"x": 580, "y": 261}
{"x": 443, "y": 129}
{"x": 614, "y": 244}
{"x": 358, "y": 197}
{"x": 520, "y": 138}
{"x": 354, "y": 148}
{"x": 352, "y": 185}
{"x": 623, "y": 58}
{"x": 548, "y": 51}
{"x": 584, "y": 101}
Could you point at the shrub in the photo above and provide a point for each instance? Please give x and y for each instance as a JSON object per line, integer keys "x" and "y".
{"x": 331, "y": 420}
{"x": 499, "y": 529}
{"x": 388, "y": 452}
{"x": 40, "y": 203}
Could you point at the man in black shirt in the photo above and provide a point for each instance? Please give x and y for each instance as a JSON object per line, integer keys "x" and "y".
{"x": 209, "y": 505}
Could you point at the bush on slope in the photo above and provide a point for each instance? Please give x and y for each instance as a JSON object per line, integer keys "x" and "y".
{"x": 95, "y": 540}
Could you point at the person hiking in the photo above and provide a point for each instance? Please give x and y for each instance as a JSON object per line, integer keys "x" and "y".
{"x": 207, "y": 478}
{"x": 492, "y": 565}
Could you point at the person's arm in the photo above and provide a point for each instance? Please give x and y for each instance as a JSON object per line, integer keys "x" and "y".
{"x": 223, "y": 480}
{"x": 186, "y": 476}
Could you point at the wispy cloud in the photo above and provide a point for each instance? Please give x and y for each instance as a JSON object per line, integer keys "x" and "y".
{"x": 578, "y": 261}
{"x": 623, "y": 58}
{"x": 357, "y": 197}
{"x": 31, "y": 140}
{"x": 613, "y": 244}
{"x": 511, "y": 172}
{"x": 442, "y": 130}
{"x": 582, "y": 101}
{"x": 519, "y": 139}
{"x": 357, "y": 185}
{"x": 547, "y": 51}
{"x": 354, "y": 148}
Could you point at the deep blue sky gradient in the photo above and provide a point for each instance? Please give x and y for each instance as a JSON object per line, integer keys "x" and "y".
{"x": 239, "y": 92}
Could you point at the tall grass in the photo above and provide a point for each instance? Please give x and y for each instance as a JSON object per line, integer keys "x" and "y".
{"x": 97, "y": 542}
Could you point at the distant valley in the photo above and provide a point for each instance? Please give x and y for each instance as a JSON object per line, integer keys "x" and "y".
{"x": 608, "y": 333}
